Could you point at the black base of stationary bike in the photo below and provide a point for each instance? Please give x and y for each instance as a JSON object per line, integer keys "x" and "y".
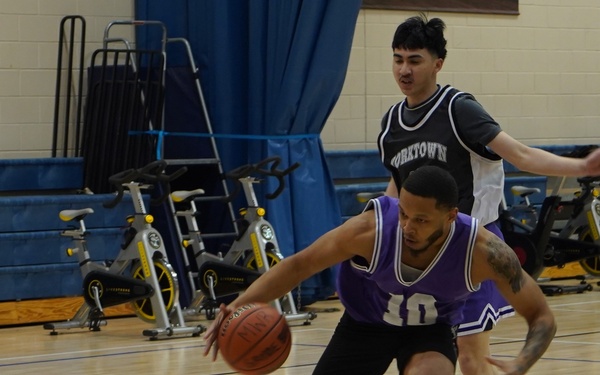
{"x": 534, "y": 266}
{"x": 209, "y": 306}
{"x": 552, "y": 290}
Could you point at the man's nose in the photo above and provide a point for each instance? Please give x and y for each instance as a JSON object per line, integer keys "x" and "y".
{"x": 404, "y": 69}
{"x": 406, "y": 227}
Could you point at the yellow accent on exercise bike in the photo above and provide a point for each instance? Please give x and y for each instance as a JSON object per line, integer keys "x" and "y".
{"x": 143, "y": 259}
{"x": 593, "y": 229}
{"x": 256, "y": 250}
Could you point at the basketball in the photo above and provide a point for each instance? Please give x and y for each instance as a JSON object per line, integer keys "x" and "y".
{"x": 255, "y": 339}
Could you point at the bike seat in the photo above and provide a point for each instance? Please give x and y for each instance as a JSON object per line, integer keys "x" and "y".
{"x": 68, "y": 215}
{"x": 365, "y": 196}
{"x": 183, "y": 195}
{"x": 523, "y": 191}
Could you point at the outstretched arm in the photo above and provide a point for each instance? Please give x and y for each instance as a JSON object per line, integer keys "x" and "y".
{"x": 355, "y": 237}
{"x": 495, "y": 260}
{"x": 538, "y": 161}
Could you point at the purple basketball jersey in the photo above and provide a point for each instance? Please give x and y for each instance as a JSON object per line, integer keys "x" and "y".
{"x": 375, "y": 292}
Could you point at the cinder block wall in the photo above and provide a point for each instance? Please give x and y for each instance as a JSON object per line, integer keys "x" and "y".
{"x": 29, "y": 34}
{"x": 536, "y": 73}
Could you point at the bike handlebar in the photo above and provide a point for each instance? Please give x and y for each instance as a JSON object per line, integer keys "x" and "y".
{"x": 587, "y": 180}
{"x": 152, "y": 173}
{"x": 586, "y": 187}
{"x": 261, "y": 168}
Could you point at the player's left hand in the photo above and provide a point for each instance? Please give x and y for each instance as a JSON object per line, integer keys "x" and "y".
{"x": 507, "y": 367}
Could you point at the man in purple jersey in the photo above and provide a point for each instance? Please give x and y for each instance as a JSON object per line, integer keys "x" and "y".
{"x": 443, "y": 126}
{"x": 407, "y": 265}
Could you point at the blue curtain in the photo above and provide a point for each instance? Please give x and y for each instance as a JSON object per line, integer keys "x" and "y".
{"x": 271, "y": 72}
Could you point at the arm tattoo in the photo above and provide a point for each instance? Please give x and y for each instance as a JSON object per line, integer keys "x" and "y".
{"x": 505, "y": 263}
{"x": 538, "y": 340}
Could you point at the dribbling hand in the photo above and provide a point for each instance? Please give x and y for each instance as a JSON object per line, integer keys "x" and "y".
{"x": 211, "y": 334}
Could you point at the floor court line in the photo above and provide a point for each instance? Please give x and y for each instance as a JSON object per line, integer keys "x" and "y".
{"x": 149, "y": 347}
{"x": 575, "y": 342}
{"x": 507, "y": 340}
{"x": 76, "y": 358}
{"x": 95, "y": 353}
{"x": 581, "y": 360}
{"x": 573, "y": 304}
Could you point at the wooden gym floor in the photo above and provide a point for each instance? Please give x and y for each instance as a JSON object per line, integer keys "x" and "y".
{"x": 120, "y": 347}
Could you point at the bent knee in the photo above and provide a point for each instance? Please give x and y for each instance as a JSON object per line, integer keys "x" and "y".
{"x": 427, "y": 363}
{"x": 474, "y": 364}
{"x": 472, "y": 353}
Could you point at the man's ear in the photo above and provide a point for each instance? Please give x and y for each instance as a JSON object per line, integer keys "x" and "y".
{"x": 439, "y": 63}
{"x": 452, "y": 214}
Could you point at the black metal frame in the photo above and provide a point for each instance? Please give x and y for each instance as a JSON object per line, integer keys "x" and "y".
{"x": 70, "y": 46}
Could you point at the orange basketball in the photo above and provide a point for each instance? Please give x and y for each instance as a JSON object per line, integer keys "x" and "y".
{"x": 255, "y": 339}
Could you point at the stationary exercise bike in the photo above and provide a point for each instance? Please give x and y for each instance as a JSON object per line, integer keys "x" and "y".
{"x": 252, "y": 253}
{"x": 527, "y": 232}
{"x": 583, "y": 223}
{"x": 140, "y": 274}
{"x": 541, "y": 246}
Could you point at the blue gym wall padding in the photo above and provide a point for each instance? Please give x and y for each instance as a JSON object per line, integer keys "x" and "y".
{"x": 41, "y": 173}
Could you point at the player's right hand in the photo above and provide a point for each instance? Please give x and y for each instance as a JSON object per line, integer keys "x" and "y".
{"x": 211, "y": 334}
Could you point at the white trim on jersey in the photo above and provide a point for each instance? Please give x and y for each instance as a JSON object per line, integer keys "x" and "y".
{"x": 426, "y": 117}
{"x": 488, "y": 178}
{"x": 489, "y": 315}
{"x": 374, "y": 261}
{"x": 398, "y": 258}
{"x": 385, "y": 131}
{"x": 469, "y": 258}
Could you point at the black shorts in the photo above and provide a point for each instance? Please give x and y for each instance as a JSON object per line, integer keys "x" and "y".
{"x": 360, "y": 348}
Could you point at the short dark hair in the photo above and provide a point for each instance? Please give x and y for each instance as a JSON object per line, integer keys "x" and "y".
{"x": 418, "y": 32}
{"x": 431, "y": 181}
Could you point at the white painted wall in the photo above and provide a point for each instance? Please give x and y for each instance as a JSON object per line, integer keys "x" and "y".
{"x": 29, "y": 33}
{"x": 537, "y": 73}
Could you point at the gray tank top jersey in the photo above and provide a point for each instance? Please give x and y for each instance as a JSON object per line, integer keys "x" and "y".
{"x": 432, "y": 134}
{"x": 375, "y": 292}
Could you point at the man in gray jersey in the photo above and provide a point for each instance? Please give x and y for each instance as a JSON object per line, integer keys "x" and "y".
{"x": 443, "y": 126}
{"x": 407, "y": 265}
